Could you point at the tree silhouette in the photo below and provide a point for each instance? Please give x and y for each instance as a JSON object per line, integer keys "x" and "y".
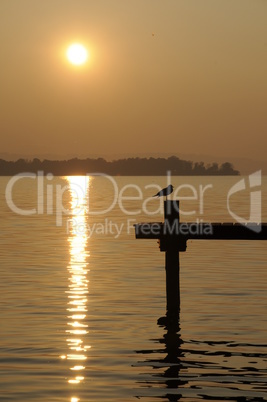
{"x": 126, "y": 167}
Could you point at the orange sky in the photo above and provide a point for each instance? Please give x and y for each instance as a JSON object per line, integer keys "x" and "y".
{"x": 174, "y": 77}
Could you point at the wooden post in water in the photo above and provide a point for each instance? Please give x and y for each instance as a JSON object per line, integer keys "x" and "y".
{"x": 172, "y": 265}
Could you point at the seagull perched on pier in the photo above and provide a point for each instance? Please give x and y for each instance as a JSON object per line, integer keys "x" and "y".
{"x": 164, "y": 192}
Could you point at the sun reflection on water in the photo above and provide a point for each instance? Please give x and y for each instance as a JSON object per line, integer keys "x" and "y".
{"x": 78, "y": 281}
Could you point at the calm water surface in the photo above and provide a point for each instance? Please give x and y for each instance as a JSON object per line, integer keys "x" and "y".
{"x": 80, "y": 297}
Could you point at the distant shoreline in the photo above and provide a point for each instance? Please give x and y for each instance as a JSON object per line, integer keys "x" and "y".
{"x": 120, "y": 167}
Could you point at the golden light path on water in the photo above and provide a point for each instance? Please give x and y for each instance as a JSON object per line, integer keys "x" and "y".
{"x": 78, "y": 281}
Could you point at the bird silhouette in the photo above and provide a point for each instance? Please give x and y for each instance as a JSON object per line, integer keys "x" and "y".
{"x": 164, "y": 192}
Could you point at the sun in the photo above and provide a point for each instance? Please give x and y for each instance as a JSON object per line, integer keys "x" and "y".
{"x": 77, "y": 54}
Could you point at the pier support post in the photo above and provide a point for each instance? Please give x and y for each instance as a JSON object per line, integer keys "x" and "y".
{"x": 172, "y": 266}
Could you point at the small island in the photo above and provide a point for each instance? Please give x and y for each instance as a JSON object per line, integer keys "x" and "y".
{"x": 120, "y": 167}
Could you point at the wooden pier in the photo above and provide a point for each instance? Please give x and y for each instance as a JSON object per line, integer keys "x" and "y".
{"x": 172, "y": 236}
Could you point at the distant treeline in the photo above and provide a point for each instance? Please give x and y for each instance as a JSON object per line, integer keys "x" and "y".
{"x": 123, "y": 167}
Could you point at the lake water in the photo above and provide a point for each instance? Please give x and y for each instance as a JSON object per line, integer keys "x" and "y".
{"x": 80, "y": 296}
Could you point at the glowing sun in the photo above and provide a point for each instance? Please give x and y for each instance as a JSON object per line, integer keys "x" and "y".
{"x": 77, "y": 54}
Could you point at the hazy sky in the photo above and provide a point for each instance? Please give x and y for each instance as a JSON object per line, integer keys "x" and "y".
{"x": 172, "y": 76}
